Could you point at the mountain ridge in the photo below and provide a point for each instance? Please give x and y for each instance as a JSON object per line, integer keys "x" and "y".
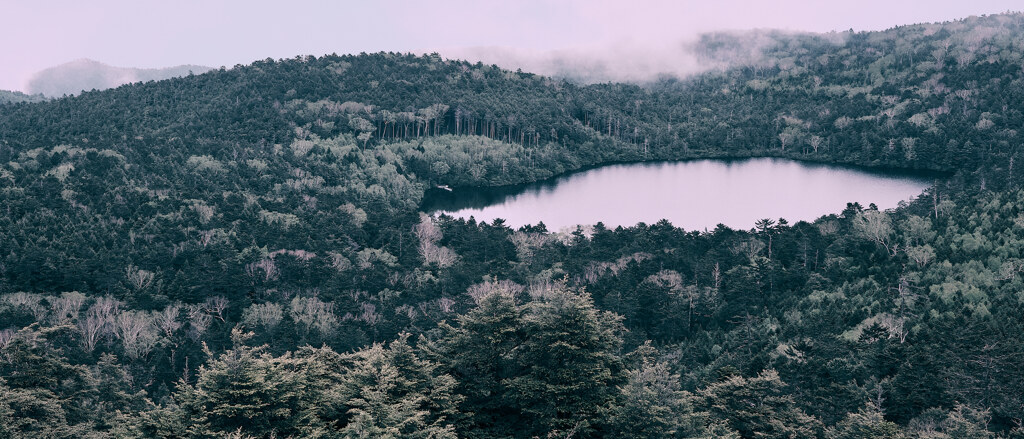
{"x": 85, "y": 74}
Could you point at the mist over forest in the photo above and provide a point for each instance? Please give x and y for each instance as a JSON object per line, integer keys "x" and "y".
{"x": 645, "y": 62}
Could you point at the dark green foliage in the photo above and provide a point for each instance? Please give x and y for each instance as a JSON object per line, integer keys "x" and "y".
{"x": 34, "y": 412}
{"x": 44, "y": 393}
{"x": 386, "y": 392}
{"x": 550, "y": 365}
{"x": 392, "y": 393}
{"x": 653, "y": 406}
{"x": 569, "y": 362}
{"x": 759, "y": 407}
{"x": 144, "y": 229}
{"x": 868, "y": 423}
{"x": 481, "y": 351}
{"x": 243, "y": 389}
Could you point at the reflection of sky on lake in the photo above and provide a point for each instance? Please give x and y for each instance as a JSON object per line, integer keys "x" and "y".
{"x": 693, "y": 195}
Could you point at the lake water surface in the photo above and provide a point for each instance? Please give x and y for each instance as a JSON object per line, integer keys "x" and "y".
{"x": 694, "y": 195}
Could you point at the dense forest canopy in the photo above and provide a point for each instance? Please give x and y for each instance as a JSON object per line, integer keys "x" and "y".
{"x": 241, "y": 253}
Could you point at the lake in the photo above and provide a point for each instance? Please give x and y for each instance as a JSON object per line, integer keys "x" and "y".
{"x": 694, "y": 195}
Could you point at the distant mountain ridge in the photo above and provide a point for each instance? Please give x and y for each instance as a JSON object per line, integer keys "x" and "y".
{"x": 86, "y": 74}
{"x": 13, "y": 97}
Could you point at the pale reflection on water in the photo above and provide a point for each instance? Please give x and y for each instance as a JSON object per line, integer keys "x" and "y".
{"x": 694, "y": 195}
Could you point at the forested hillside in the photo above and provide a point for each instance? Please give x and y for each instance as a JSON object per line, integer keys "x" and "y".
{"x": 241, "y": 252}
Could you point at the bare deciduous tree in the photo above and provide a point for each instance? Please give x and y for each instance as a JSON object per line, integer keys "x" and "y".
{"x": 876, "y": 226}
{"x": 894, "y": 326}
{"x": 429, "y": 234}
{"x": 596, "y": 270}
{"x": 98, "y": 321}
{"x": 749, "y": 248}
{"x": 716, "y": 276}
{"x": 167, "y": 320}
{"x": 203, "y": 210}
{"x": 503, "y": 287}
{"x": 786, "y": 137}
{"x": 137, "y": 278}
{"x": 137, "y": 333}
{"x": 29, "y": 302}
{"x": 543, "y": 289}
{"x": 965, "y": 96}
{"x": 441, "y": 256}
{"x": 815, "y": 143}
{"x": 426, "y": 230}
{"x": 921, "y": 255}
{"x": 446, "y": 305}
{"x": 528, "y": 243}
{"x": 92, "y": 329}
{"x": 5, "y": 336}
{"x": 368, "y": 314}
{"x": 199, "y": 321}
{"x": 339, "y": 262}
{"x": 65, "y": 309}
{"x": 216, "y": 306}
{"x": 407, "y": 310}
{"x": 206, "y": 237}
{"x": 266, "y": 315}
{"x": 265, "y": 269}
{"x": 311, "y": 313}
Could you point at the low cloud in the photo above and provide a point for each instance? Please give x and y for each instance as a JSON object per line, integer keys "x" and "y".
{"x": 623, "y": 62}
{"x": 639, "y": 63}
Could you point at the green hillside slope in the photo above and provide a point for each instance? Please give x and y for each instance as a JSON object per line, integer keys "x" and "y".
{"x": 241, "y": 252}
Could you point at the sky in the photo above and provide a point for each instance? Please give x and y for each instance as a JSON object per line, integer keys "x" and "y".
{"x": 39, "y": 34}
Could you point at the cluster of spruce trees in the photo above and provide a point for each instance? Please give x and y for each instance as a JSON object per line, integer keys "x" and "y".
{"x": 240, "y": 253}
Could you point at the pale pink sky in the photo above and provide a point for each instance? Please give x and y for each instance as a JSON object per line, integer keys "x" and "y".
{"x": 132, "y": 33}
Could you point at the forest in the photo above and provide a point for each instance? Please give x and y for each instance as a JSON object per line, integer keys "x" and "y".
{"x": 242, "y": 253}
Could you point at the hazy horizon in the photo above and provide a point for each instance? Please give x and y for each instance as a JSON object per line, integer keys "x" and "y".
{"x": 123, "y": 34}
